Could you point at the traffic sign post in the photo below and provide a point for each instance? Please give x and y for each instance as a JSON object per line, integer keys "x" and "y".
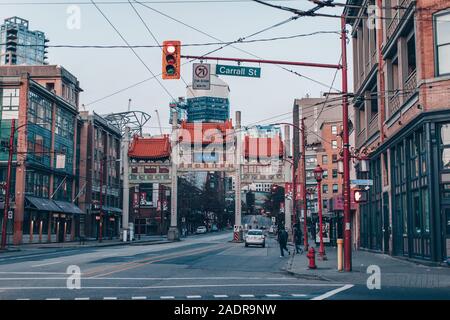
{"x": 201, "y": 76}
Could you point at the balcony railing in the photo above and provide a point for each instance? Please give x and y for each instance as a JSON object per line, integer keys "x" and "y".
{"x": 394, "y": 102}
{"x": 373, "y": 125}
{"x": 361, "y": 138}
{"x": 410, "y": 85}
{"x": 397, "y": 17}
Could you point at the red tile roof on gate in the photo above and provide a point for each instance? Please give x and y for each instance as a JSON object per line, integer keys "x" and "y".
{"x": 263, "y": 147}
{"x": 149, "y": 148}
{"x": 205, "y": 132}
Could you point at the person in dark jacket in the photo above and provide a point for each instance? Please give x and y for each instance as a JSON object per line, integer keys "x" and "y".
{"x": 298, "y": 240}
{"x": 282, "y": 241}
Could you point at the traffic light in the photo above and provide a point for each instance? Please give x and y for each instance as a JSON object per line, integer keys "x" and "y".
{"x": 360, "y": 196}
{"x": 171, "y": 60}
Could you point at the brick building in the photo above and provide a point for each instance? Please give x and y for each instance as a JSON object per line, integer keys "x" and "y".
{"x": 98, "y": 144}
{"x": 44, "y": 102}
{"x": 402, "y": 120}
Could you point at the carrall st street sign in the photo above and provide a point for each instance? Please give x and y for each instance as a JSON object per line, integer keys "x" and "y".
{"x": 252, "y": 72}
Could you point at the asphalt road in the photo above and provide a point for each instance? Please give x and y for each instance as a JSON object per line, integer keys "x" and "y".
{"x": 196, "y": 268}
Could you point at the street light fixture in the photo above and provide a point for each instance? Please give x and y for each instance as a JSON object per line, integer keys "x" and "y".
{"x": 318, "y": 175}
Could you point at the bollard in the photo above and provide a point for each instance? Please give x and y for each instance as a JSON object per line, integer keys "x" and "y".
{"x": 340, "y": 243}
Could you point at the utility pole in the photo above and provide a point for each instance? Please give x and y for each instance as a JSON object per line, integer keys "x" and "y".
{"x": 126, "y": 184}
{"x": 346, "y": 145}
{"x": 237, "y": 237}
{"x": 8, "y": 183}
{"x": 303, "y": 168}
{"x": 173, "y": 233}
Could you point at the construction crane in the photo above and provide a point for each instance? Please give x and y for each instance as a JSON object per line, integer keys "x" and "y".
{"x": 159, "y": 121}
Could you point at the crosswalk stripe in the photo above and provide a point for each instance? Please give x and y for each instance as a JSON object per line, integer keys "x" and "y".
{"x": 24, "y": 299}
{"x": 220, "y": 296}
{"x": 53, "y": 299}
{"x": 82, "y": 298}
{"x": 138, "y": 298}
{"x": 247, "y": 295}
{"x": 273, "y": 295}
{"x": 167, "y": 297}
{"x": 109, "y": 298}
{"x": 298, "y": 295}
{"x": 193, "y": 297}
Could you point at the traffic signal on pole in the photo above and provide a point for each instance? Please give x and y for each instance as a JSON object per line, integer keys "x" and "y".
{"x": 360, "y": 196}
{"x": 171, "y": 60}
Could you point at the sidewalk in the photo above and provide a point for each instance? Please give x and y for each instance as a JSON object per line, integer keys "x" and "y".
{"x": 87, "y": 244}
{"x": 394, "y": 271}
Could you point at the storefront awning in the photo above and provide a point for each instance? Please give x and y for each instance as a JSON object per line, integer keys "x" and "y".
{"x": 43, "y": 204}
{"x": 68, "y": 207}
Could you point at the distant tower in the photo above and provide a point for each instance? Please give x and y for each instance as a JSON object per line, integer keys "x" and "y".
{"x": 209, "y": 105}
{"x": 13, "y": 33}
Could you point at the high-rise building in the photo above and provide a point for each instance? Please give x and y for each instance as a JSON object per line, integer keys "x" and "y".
{"x": 21, "y": 46}
{"x": 209, "y": 105}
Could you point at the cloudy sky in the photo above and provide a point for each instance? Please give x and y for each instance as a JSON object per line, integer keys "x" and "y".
{"x": 104, "y": 71}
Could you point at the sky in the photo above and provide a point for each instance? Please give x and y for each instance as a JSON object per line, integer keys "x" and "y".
{"x": 102, "y": 72}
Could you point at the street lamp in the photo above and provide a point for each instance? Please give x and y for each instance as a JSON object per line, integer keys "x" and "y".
{"x": 318, "y": 174}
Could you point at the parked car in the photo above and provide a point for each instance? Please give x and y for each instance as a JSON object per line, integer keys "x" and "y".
{"x": 201, "y": 229}
{"x": 255, "y": 237}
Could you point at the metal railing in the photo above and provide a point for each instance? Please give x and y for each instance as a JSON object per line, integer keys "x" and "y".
{"x": 410, "y": 85}
{"x": 373, "y": 125}
{"x": 394, "y": 103}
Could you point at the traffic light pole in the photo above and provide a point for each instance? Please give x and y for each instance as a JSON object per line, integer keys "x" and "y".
{"x": 346, "y": 146}
{"x": 303, "y": 166}
{"x": 8, "y": 184}
{"x": 345, "y": 136}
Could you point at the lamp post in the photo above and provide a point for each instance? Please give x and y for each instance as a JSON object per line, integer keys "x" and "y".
{"x": 318, "y": 174}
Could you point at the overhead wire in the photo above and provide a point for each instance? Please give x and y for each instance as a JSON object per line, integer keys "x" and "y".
{"x": 134, "y": 51}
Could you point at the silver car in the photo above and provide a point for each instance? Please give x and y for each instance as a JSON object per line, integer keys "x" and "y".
{"x": 255, "y": 237}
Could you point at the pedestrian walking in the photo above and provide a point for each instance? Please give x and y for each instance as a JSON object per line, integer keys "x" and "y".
{"x": 298, "y": 240}
{"x": 282, "y": 241}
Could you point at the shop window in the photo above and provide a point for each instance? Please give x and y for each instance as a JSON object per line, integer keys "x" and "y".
{"x": 417, "y": 211}
{"x": 445, "y": 146}
{"x": 426, "y": 211}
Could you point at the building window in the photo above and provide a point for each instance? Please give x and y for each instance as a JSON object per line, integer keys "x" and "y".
{"x": 442, "y": 37}
{"x": 373, "y": 102}
{"x": 324, "y": 203}
{"x": 445, "y": 146}
{"x": 325, "y": 174}
{"x": 334, "y": 130}
{"x": 64, "y": 124}
{"x": 134, "y": 170}
{"x": 149, "y": 169}
{"x": 334, "y": 144}
{"x": 335, "y": 188}
{"x": 9, "y": 99}
{"x": 335, "y": 158}
{"x": 39, "y": 111}
{"x": 325, "y": 188}
{"x": 335, "y": 174}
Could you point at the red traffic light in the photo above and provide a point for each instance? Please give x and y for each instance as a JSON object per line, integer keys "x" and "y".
{"x": 360, "y": 196}
{"x": 171, "y": 60}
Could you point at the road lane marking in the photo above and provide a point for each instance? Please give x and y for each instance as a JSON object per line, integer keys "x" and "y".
{"x": 247, "y": 295}
{"x": 273, "y": 295}
{"x": 23, "y": 299}
{"x": 185, "y": 286}
{"x": 167, "y": 297}
{"x": 193, "y": 297}
{"x": 45, "y": 264}
{"x": 220, "y": 296}
{"x": 298, "y": 295}
{"x": 333, "y": 292}
{"x": 53, "y": 299}
{"x": 139, "y": 298}
{"x": 82, "y": 298}
{"x": 109, "y": 298}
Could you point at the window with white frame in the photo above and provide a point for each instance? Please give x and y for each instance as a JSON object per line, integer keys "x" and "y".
{"x": 442, "y": 38}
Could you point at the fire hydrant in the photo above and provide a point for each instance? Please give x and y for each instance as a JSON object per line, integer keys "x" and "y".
{"x": 312, "y": 258}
